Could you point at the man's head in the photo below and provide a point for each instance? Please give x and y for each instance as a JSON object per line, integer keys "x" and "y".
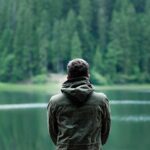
{"x": 77, "y": 68}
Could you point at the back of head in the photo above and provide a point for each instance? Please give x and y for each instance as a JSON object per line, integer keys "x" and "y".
{"x": 77, "y": 88}
{"x": 77, "y": 68}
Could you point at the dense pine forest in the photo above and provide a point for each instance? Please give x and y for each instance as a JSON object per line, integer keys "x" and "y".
{"x": 41, "y": 36}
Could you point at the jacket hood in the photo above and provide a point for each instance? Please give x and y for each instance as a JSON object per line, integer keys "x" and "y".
{"x": 77, "y": 90}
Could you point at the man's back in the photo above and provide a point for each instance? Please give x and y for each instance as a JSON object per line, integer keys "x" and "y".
{"x": 78, "y": 118}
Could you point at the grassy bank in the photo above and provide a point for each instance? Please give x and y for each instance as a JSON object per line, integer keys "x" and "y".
{"x": 49, "y": 88}
{"x": 132, "y": 87}
{"x": 51, "y": 83}
{"x": 54, "y": 87}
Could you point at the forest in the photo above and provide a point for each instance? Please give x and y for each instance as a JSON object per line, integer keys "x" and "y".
{"x": 41, "y": 36}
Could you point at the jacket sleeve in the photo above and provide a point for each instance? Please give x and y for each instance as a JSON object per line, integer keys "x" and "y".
{"x": 106, "y": 122}
{"x": 52, "y": 123}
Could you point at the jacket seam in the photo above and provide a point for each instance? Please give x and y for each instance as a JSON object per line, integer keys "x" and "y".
{"x": 79, "y": 144}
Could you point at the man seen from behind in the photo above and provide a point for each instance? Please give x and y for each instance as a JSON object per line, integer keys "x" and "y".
{"x": 78, "y": 117}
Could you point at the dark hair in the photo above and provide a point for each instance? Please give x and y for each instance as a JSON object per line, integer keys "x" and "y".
{"x": 77, "y": 68}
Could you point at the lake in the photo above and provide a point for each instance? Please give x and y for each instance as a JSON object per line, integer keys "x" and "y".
{"x": 24, "y": 126}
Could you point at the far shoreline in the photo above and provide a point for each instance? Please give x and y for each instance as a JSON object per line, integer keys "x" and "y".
{"x": 54, "y": 87}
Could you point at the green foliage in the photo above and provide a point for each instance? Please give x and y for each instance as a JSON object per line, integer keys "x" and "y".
{"x": 6, "y": 72}
{"x": 97, "y": 79}
{"x": 40, "y": 36}
{"x": 76, "y": 50}
{"x": 39, "y": 79}
{"x": 102, "y": 18}
{"x": 98, "y": 61}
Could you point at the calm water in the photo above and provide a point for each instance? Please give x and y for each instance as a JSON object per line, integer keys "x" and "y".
{"x": 26, "y": 129}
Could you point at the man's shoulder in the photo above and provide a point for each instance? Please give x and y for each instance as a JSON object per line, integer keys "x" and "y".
{"x": 99, "y": 95}
{"x": 57, "y": 97}
{"x": 55, "y": 100}
{"x": 99, "y": 98}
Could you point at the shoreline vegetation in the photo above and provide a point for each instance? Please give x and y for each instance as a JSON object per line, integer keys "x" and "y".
{"x": 55, "y": 87}
{"x": 112, "y": 36}
{"x": 53, "y": 84}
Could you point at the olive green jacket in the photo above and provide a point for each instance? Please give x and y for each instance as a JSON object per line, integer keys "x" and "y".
{"x": 78, "y": 117}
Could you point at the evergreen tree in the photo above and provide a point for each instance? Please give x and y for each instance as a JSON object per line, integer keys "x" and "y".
{"x": 102, "y": 22}
{"x": 18, "y": 44}
{"x": 39, "y": 36}
{"x": 59, "y": 45}
{"x": 98, "y": 61}
{"x": 144, "y": 43}
{"x": 85, "y": 27}
{"x": 5, "y": 52}
{"x": 76, "y": 49}
{"x": 114, "y": 60}
{"x": 71, "y": 23}
{"x": 30, "y": 52}
{"x": 120, "y": 32}
{"x": 43, "y": 41}
{"x": 6, "y": 68}
{"x": 55, "y": 47}
{"x": 64, "y": 43}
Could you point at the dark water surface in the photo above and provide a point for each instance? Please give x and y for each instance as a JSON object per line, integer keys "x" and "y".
{"x": 130, "y": 122}
{"x": 26, "y": 129}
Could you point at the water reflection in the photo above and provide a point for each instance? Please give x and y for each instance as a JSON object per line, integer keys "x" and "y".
{"x": 23, "y": 123}
{"x": 131, "y": 118}
{"x": 23, "y": 106}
